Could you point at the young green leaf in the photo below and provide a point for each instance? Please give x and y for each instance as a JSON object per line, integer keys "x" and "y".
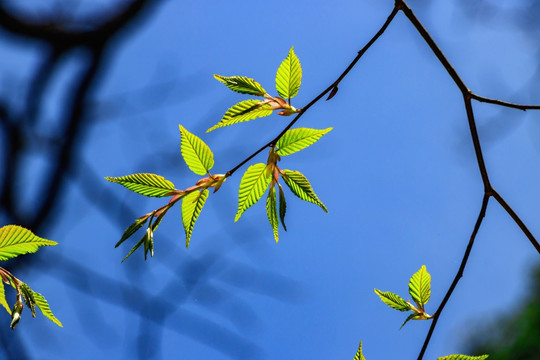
{"x": 3, "y": 297}
{"x": 148, "y": 243}
{"x": 297, "y": 139}
{"x": 359, "y": 355}
{"x": 135, "y": 247}
{"x": 242, "y": 85}
{"x": 43, "y": 306}
{"x": 192, "y": 205}
{"x": 252, "y": 187}
{"x": 393, "y": 300}
{"x": 197, "y": 155}
{"x": 301, "y": 187}
{"x": 145, "y": 184}
{"x": 271, "y": 211}
{"x": 244, "y": 111}
{"x": 132, "y": 229}
{"x": 463, "y": 357}
{"x": 420, "y": 287}
{"x": 412, "y": 316}
{"x": 282, "y": 207}
{"x": 289, "y": 76}
{"x": 16, "y": 240}
{"x": 28, "y": 297}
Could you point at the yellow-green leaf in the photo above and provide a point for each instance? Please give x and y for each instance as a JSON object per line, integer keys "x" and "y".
{"x": 3, "y": 297}
{"x": 301, "y": 187}
{"x": 16, "y": 240}
{"x": 393, "y": 300}
{"x": 463, "y": 357}
{"x": 197, "y": 155}
{"x": 192, "y": 205}
{"x": 28, "y": 297}
{"x": 289, "y": 76}
{"x": 420, "y": 287}
{"x": 359, "y": 355}
{"x": 297, "y": 139}
{"x": 242, "y": 85}
{"x": 271, "y": 212}
{"x": 254, "y": 183}
{"x": 132, "y": 229}
{"x": 43, "y": 305}
{"x": 145, "y": 184}
{"x": 244, "y": 111}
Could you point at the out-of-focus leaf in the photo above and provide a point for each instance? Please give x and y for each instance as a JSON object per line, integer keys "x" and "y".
{"x": 463, "y": 357}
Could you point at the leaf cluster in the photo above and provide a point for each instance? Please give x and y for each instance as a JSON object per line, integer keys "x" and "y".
{"x": 14, "y": 241}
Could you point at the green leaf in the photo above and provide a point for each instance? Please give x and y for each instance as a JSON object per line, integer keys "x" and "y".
{"x": 43, "y": 305}
{"x": 242, "y": 85}
{"x": 301, "y": 187}
{"x": 289, "y": 76}
{"x": 254, "y": 183}
{"x": 271, "y": 212}
{"x": 145, "y": 184}
{"x": 420, "y": 287}
{"x": 28, "y": 297}
{"x": 135, "y": 247}
{"x": 192, "y": 205}
{"x": 197, "y": 155}
{"x": 132, "y": 229}
{"x": 244, "y": 111}
{"x": 463, "y": 357}
{"x": 412, "y": 316}
{"x": 3, "y": 297}
{"x": 359, "y": 355}
{"x": 16, "y": 240}
{"x": 282, "y": 207}
{"x": 393, "y": 300}
{"x": 297, "y": 139}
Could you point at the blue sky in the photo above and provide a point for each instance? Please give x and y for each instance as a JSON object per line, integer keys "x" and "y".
{"x": 397, "y": 173}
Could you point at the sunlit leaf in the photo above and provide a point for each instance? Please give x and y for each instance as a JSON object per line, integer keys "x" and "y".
{"x": 254, "y": 183}
{"x": 132, "y": 229}
{"x": 282, "y": 207}
{"x": 271, "y": 212}
{"x": 242, "y": 85}
{"x": 412, "y": 316}
{"x": 289, "y": 76}
{"x": 16, "y": 240}
{"x": 197, "y": 155}
{"x": 145, "y": 184}
{"x": 359, "y": 355}
{"x": 301, "y": 187}
{"x": 420, "y": 287}
{"x": 463, "y": 357}
{"x": 297, "y": 139}
{"x": 244, "y": 111}
{"x": 43, "y": 305}
{"x": 192, "y": 205}
{"x": 393, "y": 300}
{"x": 3, "y": 297}
{"x": 28, "y": 297}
